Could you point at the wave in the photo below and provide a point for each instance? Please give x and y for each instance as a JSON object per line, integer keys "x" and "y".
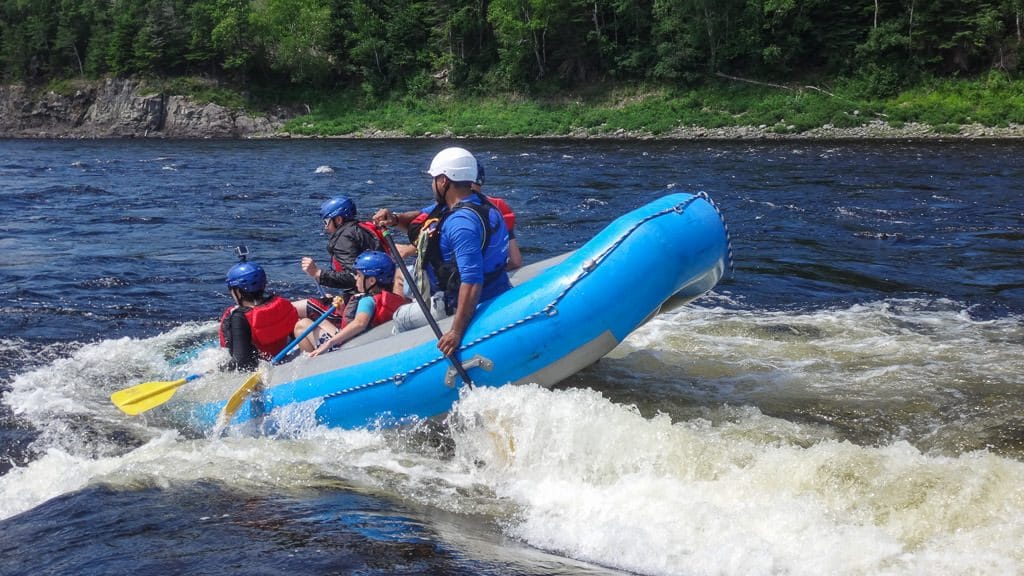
{"x": 573, "y": 473}
{"x": 874, "y": 438}
{"x": 597, "y": 481}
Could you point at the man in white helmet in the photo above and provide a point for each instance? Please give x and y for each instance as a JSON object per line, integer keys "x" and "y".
{"x": 467, "y": 250}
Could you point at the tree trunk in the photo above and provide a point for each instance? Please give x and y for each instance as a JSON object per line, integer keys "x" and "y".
{"x": 910, "y": 29}
{"x": 538, "y": 42}
{"x": 876, "y": 15}
{"x": 81, "y": 70}
{"x": 709, "y": 28}
{"x": 538, "y": 52}
{"x": 483, "y": 25}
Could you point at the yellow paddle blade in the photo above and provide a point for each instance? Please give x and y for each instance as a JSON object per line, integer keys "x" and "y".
{"x": 236, "y": 400}
{"x": 145, "y": 396}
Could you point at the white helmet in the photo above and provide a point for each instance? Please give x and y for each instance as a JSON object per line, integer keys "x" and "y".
{"x": 455, "y": 163}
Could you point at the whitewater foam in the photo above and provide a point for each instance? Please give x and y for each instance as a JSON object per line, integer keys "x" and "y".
{"x": 737, "y": 490}
{"x": 597, "y": 481}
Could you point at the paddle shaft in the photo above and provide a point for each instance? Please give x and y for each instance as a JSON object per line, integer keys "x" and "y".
{"x": 423, "y": 305}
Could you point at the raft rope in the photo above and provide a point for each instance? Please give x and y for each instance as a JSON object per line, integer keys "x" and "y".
{"x": 725, "y": 225}
{"x": 551, "y": 309}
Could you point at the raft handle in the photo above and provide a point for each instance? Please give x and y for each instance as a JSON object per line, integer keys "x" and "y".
{"x": 474, "y": 362}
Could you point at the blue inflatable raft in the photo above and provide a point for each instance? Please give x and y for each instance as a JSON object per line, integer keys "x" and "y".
{"x": 562, "y": 315}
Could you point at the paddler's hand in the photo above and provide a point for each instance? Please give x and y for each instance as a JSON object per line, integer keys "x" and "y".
{"x": 310, "y": 267}
{"x": 384, "y": 218}
{"x": 449, "y": 342}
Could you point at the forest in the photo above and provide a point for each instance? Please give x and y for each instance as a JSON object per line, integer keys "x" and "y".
{"x": 388, "y": 49}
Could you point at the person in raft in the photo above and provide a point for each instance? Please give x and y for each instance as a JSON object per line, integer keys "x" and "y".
{"x": 467, "y": 252}
{"x": 259, "y": 325}
{"x": 348, "y": 238}
{"x": 412, "y": 222}
{"x": 375, "y": 304}
{"x": 515, "y": 257}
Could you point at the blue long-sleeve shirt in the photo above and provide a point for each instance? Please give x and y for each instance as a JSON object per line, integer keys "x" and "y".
{"x": 461, "y": 237}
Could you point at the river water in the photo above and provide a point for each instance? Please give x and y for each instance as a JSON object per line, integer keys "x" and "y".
{"x": 849, "y": 401}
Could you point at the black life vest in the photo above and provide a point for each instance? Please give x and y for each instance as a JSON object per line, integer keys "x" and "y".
{"x": 447, "y": 272}
{"x": 377, "y": 233}
{"x": 416, "y": 226}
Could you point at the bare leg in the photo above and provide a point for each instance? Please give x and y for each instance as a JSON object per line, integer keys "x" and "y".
{"x": 309, "y": 343}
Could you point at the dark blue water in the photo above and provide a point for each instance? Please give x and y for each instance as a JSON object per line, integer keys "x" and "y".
{"x": 104, "y": 238}
{"x": 877, "y": 299}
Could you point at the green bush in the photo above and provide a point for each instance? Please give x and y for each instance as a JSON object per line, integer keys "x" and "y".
{"x": 66, "y": 88}
{"x": 993, "y": 101}
{"x": 200, "y": 90}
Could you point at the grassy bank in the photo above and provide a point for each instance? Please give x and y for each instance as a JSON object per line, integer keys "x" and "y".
{"x": 945, "y": 105}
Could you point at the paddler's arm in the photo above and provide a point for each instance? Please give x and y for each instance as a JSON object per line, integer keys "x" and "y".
{"x": 406, "y": 250}
{"x": 330, "y": 278}
{"x": 243, "y": 354}
{"x": 464, "y": 233}
{"x": 387, "y": 218}
{"x": 469, "y": 296}
{"x": 515, "y": 257}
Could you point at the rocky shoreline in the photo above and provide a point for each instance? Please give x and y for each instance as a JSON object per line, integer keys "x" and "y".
{"x": 876, "y": 129}
{"x": 123, "y": 108}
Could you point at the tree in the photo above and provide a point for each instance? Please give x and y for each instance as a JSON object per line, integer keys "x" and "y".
{"x": 696, "y": 37}
{"x": 520, "y": 27}
{"x": 462, "y": 42}
{"x": 387, "y": 42}
{"x": 294, "y": 36}
{"x": 25, "y": 29}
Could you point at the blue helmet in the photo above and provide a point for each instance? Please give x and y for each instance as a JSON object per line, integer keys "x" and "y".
{"x": 338, "y": 206}
{"x": 376, "y": 265}
{"x": 248, "y": 277}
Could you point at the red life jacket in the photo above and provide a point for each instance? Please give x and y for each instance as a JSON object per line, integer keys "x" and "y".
{"x": 506, "y": 212}
{"x": 271, "y": 324}
{"x": 384, "y": 305}
{"x": 372, "y": 228}
{"x": 377, "y": 232}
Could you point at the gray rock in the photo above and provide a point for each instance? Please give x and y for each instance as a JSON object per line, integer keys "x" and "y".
{"x": 122, "y": 108}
